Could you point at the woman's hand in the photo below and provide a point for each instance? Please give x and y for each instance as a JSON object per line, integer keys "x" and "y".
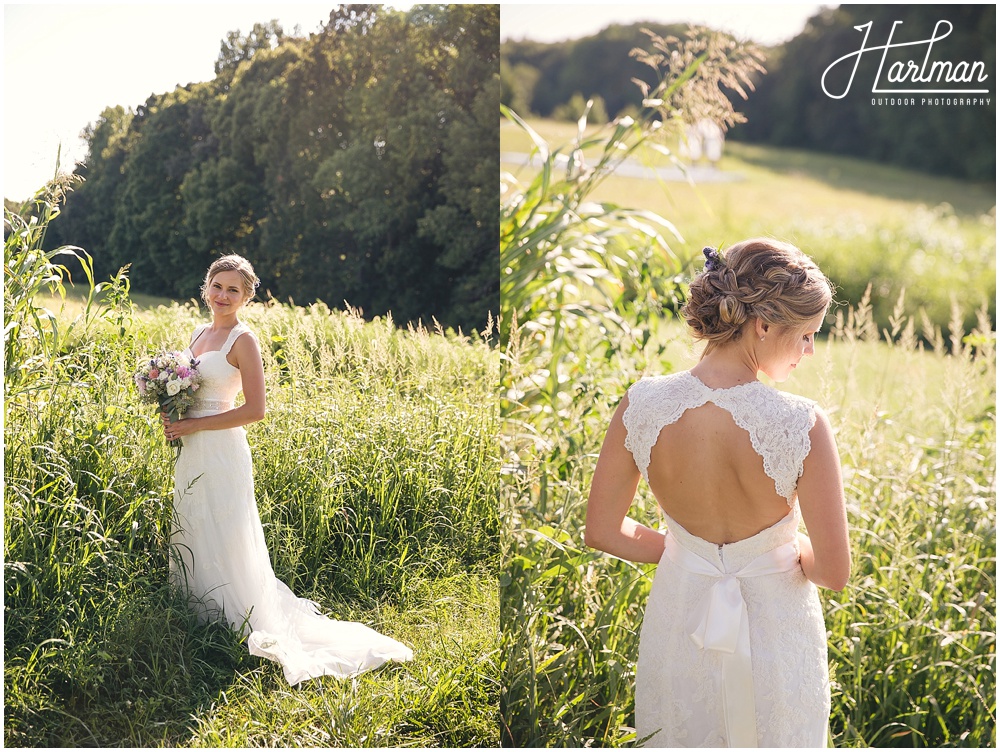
{"x": 805, "y": 552}
{"x": 244, "y": 355}
{"x": 178, "y": 429}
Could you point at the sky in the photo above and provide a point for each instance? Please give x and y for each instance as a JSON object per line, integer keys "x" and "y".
{"x": 64, "y": 63}
{"x": 765, "y": 23}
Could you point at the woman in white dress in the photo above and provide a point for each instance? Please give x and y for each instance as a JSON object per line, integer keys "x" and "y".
{"x": 219, "y": 555}
{"x": 733, "y": 645}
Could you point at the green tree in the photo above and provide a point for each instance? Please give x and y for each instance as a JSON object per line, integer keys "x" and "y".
{"x": 459, "y": 225}
{"x": 91, "y": 211}
{"x": 546, "y": 76}
{"x": 149, "y": 225}
{"x": 415, "y": 178}
{"x": 791, "y": 109}
{"x": 238, "y": 48}
{"x": 517, "y": 85}
{"x": 356, "y": 165}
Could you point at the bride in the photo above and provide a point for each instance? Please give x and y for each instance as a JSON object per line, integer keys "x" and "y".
{"x": 219, "y": 555}
{"x": 733, "y": 644}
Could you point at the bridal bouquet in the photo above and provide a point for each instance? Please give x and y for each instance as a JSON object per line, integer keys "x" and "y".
{"x": 169, "y": 380}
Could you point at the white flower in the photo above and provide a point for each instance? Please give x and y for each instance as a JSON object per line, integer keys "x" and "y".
{"x": 173, "y": 387}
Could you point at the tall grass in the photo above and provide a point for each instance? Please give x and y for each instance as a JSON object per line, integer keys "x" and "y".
{"x": 912, "y": 637}
{"x": 909, "y": 381}
{"x": 376, "y": 473}
{"x": 570, "y": 262}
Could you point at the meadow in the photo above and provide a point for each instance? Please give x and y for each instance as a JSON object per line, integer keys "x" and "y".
{"x": 862, "y": 222}
{"x": 906, "y": 370}
{"x": 376, "y": 473}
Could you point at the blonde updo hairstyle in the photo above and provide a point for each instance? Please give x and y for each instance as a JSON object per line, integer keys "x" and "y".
{"x": 757, "y": 278}
{"x": 232, "y": 263}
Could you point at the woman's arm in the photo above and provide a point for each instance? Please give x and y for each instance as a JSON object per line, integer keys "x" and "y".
{"x": 825, "y": 555}
{"x": 246, "y": 354}
{"x": 615, "y": 480}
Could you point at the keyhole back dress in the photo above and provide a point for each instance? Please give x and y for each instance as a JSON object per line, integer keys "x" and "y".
{"x": 219, "y": 554}
{"x": 732, "y": 651}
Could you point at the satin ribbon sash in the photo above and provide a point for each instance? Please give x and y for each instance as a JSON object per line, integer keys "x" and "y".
{"x": 720, "y": 623}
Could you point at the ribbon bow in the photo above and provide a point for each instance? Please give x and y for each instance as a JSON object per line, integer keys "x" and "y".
{"x": 720, "y": 623}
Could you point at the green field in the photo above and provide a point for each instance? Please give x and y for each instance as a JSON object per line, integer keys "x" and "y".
{"x": 376, "y": 474}
{"x": 909, "y": 381}
{"x": 863, "y": 223}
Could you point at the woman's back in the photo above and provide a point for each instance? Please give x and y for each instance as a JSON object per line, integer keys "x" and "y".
{"x": 705, "y": 474}
{"x": 724, "y": 464}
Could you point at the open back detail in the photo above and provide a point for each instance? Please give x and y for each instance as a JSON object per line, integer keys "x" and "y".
{"x": 778, "y": 423}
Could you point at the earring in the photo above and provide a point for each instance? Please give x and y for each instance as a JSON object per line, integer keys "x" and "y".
{"x": 761, "y": 339}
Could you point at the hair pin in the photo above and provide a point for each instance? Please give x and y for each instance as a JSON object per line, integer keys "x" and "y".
{"x": 713, "y": 260}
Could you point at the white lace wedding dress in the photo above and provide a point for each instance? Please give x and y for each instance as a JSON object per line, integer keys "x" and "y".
{"x": 219, "y": 554}
{"x": 733, "y": 644}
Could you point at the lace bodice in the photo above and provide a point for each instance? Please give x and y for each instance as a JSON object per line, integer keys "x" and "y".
{"x": 221, "y": 382}
{"x": 778, "y": 423}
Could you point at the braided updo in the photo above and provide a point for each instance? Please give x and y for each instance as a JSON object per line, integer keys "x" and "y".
{"x": 757, "y": 278}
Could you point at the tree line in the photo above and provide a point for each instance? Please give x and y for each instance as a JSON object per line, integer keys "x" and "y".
{"x": 541, "y": 79}
{"x": 356, "y": 165}
{"x": 788, "y": 107}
